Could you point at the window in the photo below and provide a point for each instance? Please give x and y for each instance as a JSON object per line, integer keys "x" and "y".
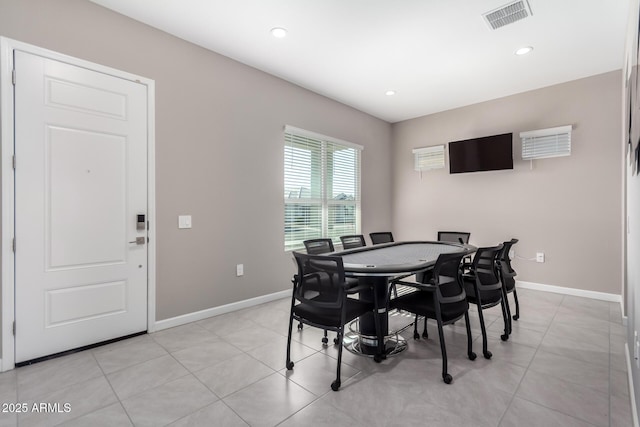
{"x": 321, "y": 187}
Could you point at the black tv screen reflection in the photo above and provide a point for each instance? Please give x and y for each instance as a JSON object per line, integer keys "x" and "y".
{"x": 481, "y": 154}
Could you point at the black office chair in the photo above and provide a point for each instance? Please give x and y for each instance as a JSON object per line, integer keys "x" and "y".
{"x": 453, "y": 236}
{"x": 443, "y": 299}
{"x": 381, "y": 237}
{"x": 318, "y": 246}
{"x": 484, "y": 288}
{"x": 353, "y": 241}
{"x": 320, "y": 299}
{"x": 508, "y": 274}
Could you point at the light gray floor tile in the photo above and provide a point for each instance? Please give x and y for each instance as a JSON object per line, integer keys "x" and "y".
{"x": 569, "y": 398}
{"x": 274, "y": 353}
{"x": 619, "y": 383}
{"x": 522, "y": 413}
{"x": 269, "y": 401}
{"x": 250, "y": 338}
{"x": 168, "y": 402}
{"x": 202, "y": 356}
{"x": 568, "y": 369}
{"x": 582, "y": 320}
{"x": 321, "y": 414}
{"x": 215, "y": 414}
{"x": 69, "y": 402}
{"x": 233, "y": 374}
{"x": 586, "y": 351}
{"x": 185, "y": 336}
{"x": 136, "y": 379}
{"x": 621, "y": 415}
{"x": 123, "y": 354}
{"x": 226, "y": 324}
{"x": 46, "y": 377}
{"x": 316, "y": 373}
{"x": 111, "y": 416}
{"x": 564, "y": 365}
{"x": 585, "y": 306}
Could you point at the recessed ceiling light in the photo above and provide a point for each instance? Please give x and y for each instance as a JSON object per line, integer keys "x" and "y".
{"x": 278, "y": 32}
{"x": 390, "y": 92}
{"x": 524, "y": 50}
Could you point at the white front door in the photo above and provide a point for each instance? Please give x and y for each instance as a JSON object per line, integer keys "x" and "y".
{"x": 80, "y": 192}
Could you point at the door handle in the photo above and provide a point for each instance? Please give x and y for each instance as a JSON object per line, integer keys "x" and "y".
{"x": 139, "y": 240}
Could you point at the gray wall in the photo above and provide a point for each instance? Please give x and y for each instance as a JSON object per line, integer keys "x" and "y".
{"x": 219, "y": 150}
{"x": 570, "y": 208}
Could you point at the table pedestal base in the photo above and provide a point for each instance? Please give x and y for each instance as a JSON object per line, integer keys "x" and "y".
{"x": 364, "y": 345}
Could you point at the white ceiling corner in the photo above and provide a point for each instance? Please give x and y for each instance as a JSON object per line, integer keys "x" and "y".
{"x": 435, "y": 54}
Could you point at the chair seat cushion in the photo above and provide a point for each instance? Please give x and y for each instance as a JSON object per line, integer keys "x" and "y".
{"x": 332, "y": 317}
{"x": 486, "y": 297}
{"x": 422, "y": 303}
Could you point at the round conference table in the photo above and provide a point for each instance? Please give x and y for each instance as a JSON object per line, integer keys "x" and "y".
{"x": 376, "y": 266}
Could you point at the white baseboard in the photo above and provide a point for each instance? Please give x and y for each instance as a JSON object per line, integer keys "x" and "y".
{"x": 215, "y": 311}
{"x": 632, "y": 394}
{"x": 570, "y": 291}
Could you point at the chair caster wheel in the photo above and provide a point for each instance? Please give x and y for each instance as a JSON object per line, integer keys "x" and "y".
{"x": 425, "y": 335}
{"x": 516, "y": 317}
{"x": 416, "y": 336}
{"x": 504, "y": 337}
{"x": 447, "y": 378}
{"x": 487, "y": 354}
{"x": 335, "y": 385}
{"x": 378, "y": 358}
{"x": 472, "y": 356}
{"x": 335, "y": 341}
{"x": 325, "y": 340}
{"x": 299, "y": 326}
{"x": 289, "y": 365}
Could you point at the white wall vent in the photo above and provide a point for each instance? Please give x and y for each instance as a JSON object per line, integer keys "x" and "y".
{"x": 428, "y": 158}
{"x": 544, "y": 143}
{"x": 508, "y": 14}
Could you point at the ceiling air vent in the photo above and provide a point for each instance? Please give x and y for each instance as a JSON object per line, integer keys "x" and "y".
{"x": 508, "y": 14}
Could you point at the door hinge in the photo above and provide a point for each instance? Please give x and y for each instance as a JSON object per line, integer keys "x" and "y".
{"x": 13, "y": 76}
{"x": 13, "y": 244}
{"x": 13, "y": 162}
{"x": 14, "y": 329}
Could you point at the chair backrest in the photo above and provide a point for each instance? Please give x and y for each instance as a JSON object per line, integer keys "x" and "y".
{"x": 320, "y": 280}
{"x": 453, "y": 236}
{"x": 485, "y": 268}
{"x": 381, "y": 237}
{"x": 353, "y": 241}
{"x": 448, "y": 278}
{"x": 318, "y": 246}
{"x": 506, "y": 270}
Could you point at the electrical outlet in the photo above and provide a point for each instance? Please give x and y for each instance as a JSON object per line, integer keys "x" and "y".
{"x": 540, "y": 257}
{"x": 240, "y": 270}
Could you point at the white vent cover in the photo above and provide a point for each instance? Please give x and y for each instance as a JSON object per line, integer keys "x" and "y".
{"x": 508, "y": 14}
{"x": 428, "y": 158}
{"x": 543, "y": 143}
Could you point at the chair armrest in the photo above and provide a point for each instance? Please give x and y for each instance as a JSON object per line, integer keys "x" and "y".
{"x": 353, "y": 286}
{"x": 421, "y": 286}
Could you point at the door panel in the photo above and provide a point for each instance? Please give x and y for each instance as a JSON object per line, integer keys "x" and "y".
{"x": 81, "y": 171}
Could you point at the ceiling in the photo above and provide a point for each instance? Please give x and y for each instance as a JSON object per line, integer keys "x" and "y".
{"x": 435, "y": 54}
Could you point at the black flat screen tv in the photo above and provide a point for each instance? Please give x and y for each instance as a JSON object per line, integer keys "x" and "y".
{"x": 481, "y": 154}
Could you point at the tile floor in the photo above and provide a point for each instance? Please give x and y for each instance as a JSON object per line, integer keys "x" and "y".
{"x": 563, "y": 366}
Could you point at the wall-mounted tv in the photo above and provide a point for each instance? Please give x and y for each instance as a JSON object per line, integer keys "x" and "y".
{"x": 481, "y": 154}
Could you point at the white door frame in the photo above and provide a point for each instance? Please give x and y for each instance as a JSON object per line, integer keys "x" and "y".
{"x": 7, "y": 222}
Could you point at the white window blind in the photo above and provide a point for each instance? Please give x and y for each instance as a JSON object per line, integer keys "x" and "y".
{"x": 321, "y": 187}
{"x": 545, "y": 143}
{"x": 428, "y": 158}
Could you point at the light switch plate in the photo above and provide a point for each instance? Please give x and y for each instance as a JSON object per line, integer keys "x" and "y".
{"x": 184, "y": 221}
